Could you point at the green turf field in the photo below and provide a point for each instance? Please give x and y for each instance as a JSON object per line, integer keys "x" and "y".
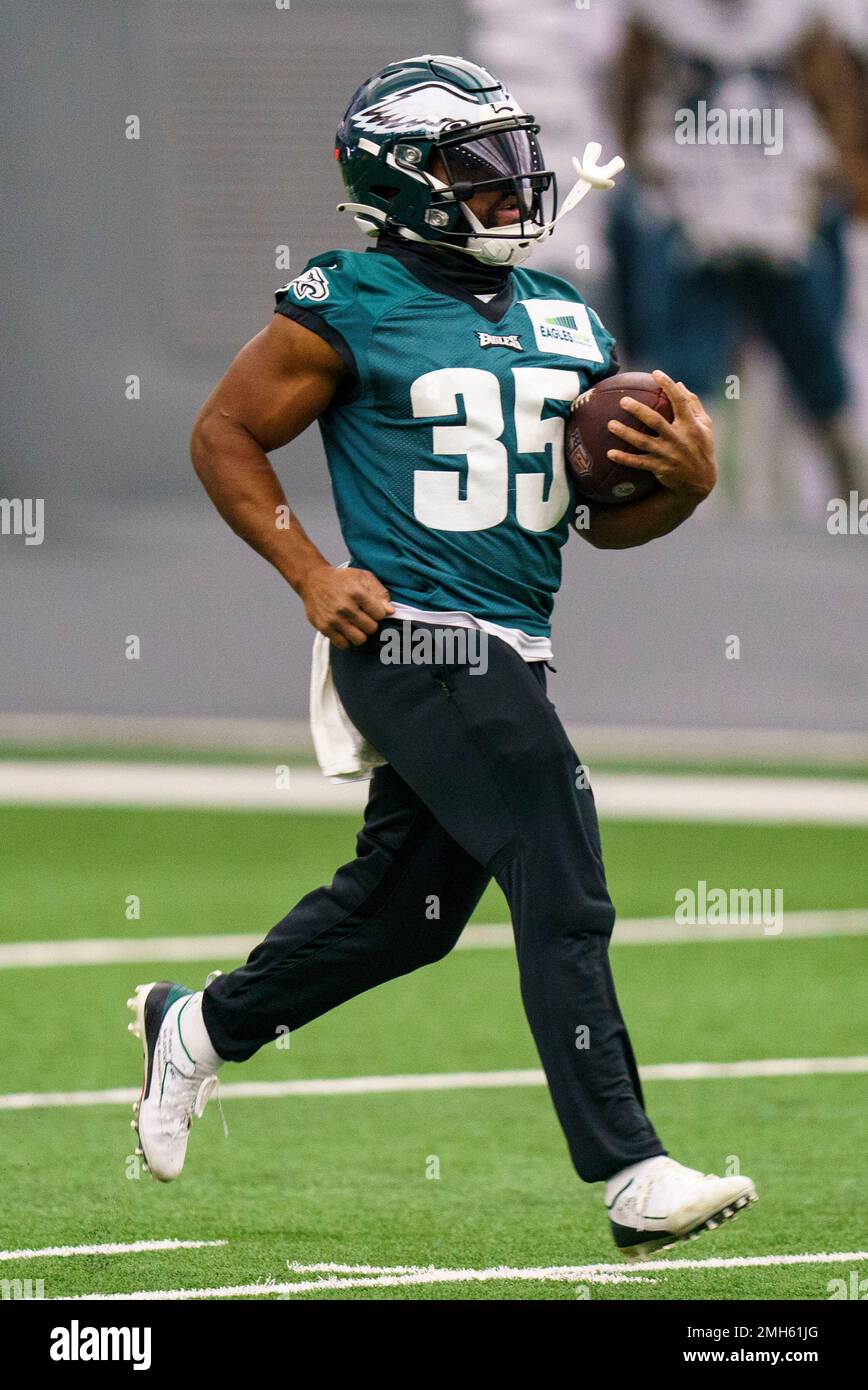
{"x": 470, "y": 1179}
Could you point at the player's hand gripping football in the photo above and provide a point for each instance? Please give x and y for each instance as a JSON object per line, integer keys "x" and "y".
{"x": 346, "y": 605}
{"x": 680, "y": 454}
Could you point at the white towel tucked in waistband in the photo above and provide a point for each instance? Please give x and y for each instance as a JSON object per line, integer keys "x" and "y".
{"x": 343, "y": 754}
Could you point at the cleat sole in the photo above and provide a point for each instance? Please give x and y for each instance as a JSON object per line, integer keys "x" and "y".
{"x": 643, "y": 1250}
{"x": 136, "y": 1004}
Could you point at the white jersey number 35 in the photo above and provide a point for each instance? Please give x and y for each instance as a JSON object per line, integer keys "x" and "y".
{"x": 437, "y": 501}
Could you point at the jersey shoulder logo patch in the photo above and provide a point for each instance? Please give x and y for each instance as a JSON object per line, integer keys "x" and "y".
{"x": 312, "y": 284}
{"x": 563, "y": 326}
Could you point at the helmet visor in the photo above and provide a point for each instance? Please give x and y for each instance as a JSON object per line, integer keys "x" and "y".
{"x": 510, "y": 160}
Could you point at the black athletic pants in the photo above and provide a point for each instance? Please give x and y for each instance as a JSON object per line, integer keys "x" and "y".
{"x": 481, "y": 783}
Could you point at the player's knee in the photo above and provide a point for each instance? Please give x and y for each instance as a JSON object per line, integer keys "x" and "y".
{"x": 588, "y": 909}
{"x": 599, "y": 920}
{"x": 578, "y": 920}
{"x": 431, "y": 942}
{"x": 538, "y": 761}
{"x": 438, "y": 947}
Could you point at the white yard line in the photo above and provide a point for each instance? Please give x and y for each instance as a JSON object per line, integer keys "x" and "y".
{"x": 417, "y": 1277}
{"x": 638, "y": 931}
{"x": 118, "y": 950}
{"x": 768, "y": 1067}
{"x": 135, "y": 1247}
{"x": 383, "y": 1281}
{"x": 665, "y": 931}
{"x": 619, "y": 795}
{"x": 712, "y": 1262}
{"x": 450, "y": 1081}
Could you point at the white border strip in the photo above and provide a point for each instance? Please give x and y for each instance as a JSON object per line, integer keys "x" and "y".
{"x": 619, "y": 795}
{"x": 764, "y": 1068}
{"x": 637, "y": 931}
{"x": 646, "y": 743}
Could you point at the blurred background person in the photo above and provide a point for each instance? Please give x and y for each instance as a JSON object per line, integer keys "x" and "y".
{"x": 716, "y": 241}
{"x": 561, "y": 55}
{"x": 839, "y": 84}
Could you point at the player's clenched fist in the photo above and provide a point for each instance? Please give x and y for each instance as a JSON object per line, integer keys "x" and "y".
{"x": 345, "y": 604}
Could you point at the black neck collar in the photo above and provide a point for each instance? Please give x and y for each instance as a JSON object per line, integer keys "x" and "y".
{"x": 461, "y": 270}
{"x": 451, "y": 272}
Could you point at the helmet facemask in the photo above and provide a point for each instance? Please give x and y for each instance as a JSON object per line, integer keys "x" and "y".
{"x": 495, "y": 156}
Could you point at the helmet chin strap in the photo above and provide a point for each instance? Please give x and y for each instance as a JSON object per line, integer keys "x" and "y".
{"x": 499, "y": 245}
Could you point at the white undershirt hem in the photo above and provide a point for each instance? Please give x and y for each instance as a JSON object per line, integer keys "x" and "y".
{"x": 529, "y": 648}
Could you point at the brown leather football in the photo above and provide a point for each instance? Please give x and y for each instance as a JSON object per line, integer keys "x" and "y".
{"x": 598, "y": 478}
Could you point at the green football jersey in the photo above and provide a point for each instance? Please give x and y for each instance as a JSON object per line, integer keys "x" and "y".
{"x": 446, "y": 446}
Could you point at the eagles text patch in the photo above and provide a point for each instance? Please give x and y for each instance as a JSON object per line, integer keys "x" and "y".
{"x": 563, "y": 326}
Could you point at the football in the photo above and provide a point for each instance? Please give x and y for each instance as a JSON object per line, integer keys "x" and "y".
{"x": 588, "y": 438}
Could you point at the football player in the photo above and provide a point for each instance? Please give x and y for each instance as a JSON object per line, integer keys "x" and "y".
{"x": 441, "y": 372}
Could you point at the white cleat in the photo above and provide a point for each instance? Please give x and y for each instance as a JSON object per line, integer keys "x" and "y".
{"x": 180, "y": 1073}
{"x": 657, "y": 1203}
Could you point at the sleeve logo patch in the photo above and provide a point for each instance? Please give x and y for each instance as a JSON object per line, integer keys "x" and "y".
{"x": 311, "y": 285}
{"x": 563, "y": 326}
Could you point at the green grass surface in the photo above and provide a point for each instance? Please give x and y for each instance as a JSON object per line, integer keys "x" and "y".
{"x": 710, "y": 1002}
{"x": 68, "y": 872}
{"x": 344, "y": 1178}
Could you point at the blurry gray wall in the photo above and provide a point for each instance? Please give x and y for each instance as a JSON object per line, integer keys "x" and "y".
{"x": 156, "y": 257}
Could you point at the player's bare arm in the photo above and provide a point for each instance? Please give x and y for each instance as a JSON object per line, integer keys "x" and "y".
{"x": 681, "y": 456}
{"x": 279, "y": 383}
{"x": 830, "y": 75}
